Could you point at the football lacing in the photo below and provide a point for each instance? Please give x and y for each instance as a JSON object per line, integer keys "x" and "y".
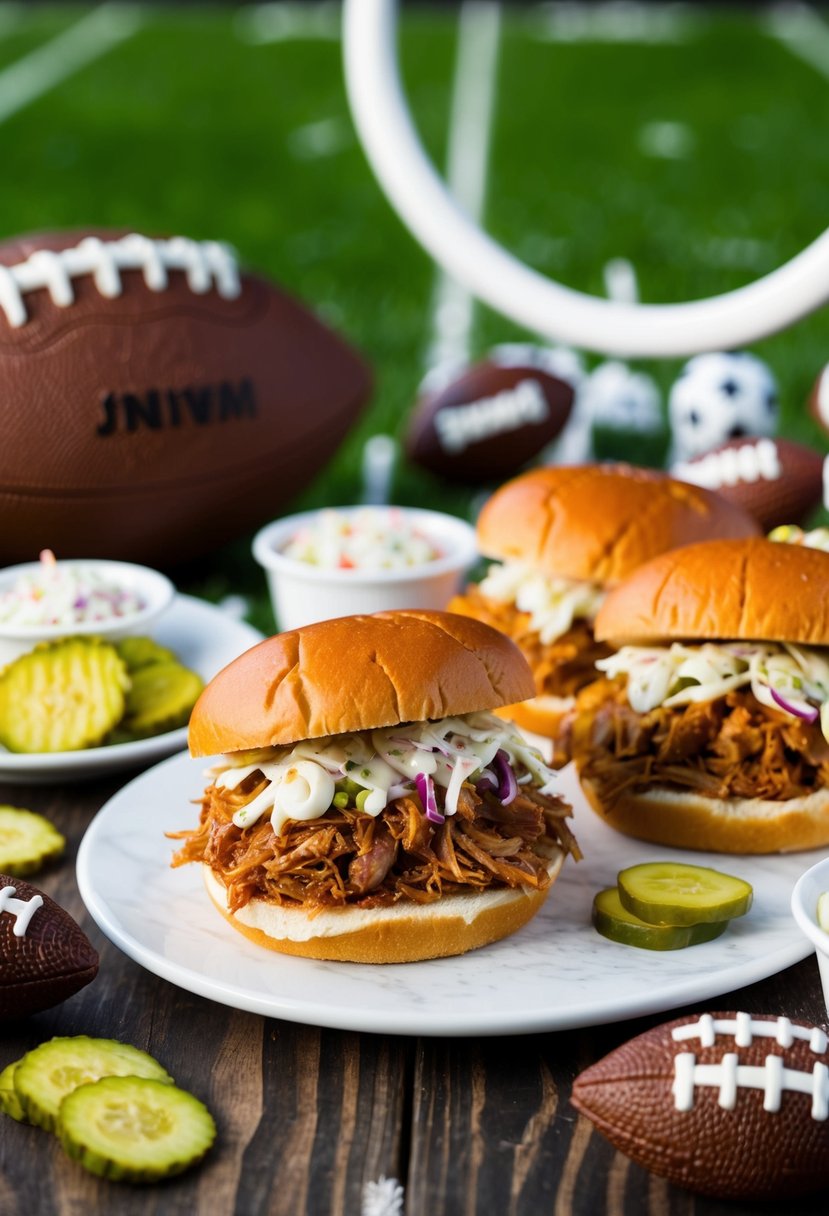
{"x": 744, "y": 1028}
{"x": 21, "y": 909}
{"x": 205, "y": 264}
{"x": 773, "y": 1078}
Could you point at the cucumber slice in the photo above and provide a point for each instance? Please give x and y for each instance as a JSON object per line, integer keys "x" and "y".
{"x": 9, "y": 1101}
{"x": 27, "y": 841}
{"x": 54, "y": 1069}
{"x": 161, "y": 697}
{"x": 612, "y": 920}
{"x": 61, "y": 697}
{"x": 676, "y": 893}
{"x": 134, "y": 1129}
{"x": 823, "y": 911}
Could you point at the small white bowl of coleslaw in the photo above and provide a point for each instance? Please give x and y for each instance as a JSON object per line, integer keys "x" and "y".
{"x": 805, "y": 898}
{"x": 348, "y": 560}
{"x": 48, "y": 599}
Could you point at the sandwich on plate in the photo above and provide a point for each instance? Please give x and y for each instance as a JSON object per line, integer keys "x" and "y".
{"x": 366, "y": 804}
{"x": 561, "y": 537}
{"x": 708, "y": 729}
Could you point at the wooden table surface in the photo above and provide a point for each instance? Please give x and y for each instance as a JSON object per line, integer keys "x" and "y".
{"x": 308, "y": 1118}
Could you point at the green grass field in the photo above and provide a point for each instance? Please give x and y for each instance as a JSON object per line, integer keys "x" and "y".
{"x": 698, "y": 150}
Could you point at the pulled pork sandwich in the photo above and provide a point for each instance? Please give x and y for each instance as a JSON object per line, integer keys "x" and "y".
{"x": 709, "y": 729}
{"x": 368, "y": 807}
{"x": 562, "y": 536}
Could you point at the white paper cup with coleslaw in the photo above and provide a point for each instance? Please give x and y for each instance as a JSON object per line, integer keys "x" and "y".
{"x": 348, "y": 560}
{"x": 46, "y": 600}
{"x": 805, "y": 898}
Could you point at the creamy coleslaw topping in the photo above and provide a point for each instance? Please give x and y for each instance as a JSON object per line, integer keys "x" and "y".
{"x": 65, "y": 593}
{"x": 790, "y": 534}
{"x": 792, "y": 679}
{"x": 373, "y": 538}
{"x": 307, "y": 778}
{"x": 553, "y": 604}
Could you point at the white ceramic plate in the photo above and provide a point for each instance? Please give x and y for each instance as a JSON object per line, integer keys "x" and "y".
{"x": 204, "y": 638}
{"x": 554, "y": 974}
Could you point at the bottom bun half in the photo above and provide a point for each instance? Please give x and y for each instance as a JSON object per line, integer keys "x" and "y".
{"x": 685, "y": 820}
{"x": 403, "y": 933}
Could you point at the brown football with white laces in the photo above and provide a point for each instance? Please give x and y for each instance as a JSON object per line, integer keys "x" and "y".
{"x": 45, "y": 956}
{"x": 777, "y": 481}
{"x": 733, "y": 1105}
{"x": 157, "y": 400}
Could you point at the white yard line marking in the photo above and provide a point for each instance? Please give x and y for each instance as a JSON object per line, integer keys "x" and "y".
{"x": 283, "y": 22}
{"x": 473, "y": 101}
{"x": 802, "y": 31}
{"x": 614, "y": 21}
{"x": 85, "y": 41}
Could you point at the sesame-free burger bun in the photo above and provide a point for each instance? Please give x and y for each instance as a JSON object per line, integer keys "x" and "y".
{"x": 601, "y": 521}
{"x": 683, "y": 820}
{"x": 747, "y": 590}
{"x": 402, "y": 933}
{"x": 357, "y": 673}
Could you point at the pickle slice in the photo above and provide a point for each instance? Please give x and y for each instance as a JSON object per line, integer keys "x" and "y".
{"x": 823, "y": 911}
{"x": 9, "y": 1101}
{"x": 27, "y": 841}
{"x": 62, "y": 696}
{"x": 612, "y": 920}
{"x": 49, "y": 1072}
{"x": 676, "y": 893}
{"x": 138, "y": 652}
{"x": 134, "y": 1129}
{"x": 161, "y": 697}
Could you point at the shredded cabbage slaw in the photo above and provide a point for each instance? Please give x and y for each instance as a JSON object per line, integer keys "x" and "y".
{"x": 388, "y": 764}
{"x": 552, "y": 603}
{"x": 373, "y": 538}
{"x": 793, "y": 679}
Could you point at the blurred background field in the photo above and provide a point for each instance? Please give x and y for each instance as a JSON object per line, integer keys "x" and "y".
{"x": 689, "y": 139}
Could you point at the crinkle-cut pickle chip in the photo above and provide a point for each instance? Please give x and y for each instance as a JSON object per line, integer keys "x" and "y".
{"x": 613, "y": 921}
{"x": 9, "y": 1102}
{"x": 62, "y": 696}
{"x": 27, "y": 841}
{"x": 161, "y": 697}
{"x": 134, "y": 1129}
{"x": 49, "y": 1072}
{"x": 678, "y": 893}
{"x": 138, "y": 652}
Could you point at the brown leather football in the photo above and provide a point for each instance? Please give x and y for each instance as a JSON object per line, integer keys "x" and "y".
{"x": 490, "y": 420}
{"x": 46, "y": 957}
{"x": 776, "y": 480}
{"x": 727, "y": 1104}
{"x": 156, "y": 402}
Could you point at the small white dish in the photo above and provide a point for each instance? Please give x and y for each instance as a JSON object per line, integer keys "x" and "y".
{"x": 154, "y": 590}
{"x": 807, "y": 890}
{"x": 302, "y": 593}
{"x": 204, "y": 638}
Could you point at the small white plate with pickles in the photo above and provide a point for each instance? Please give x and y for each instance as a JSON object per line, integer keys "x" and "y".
{"x": 203, "y": 638}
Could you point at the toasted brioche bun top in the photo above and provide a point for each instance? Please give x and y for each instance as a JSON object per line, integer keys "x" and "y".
{"x": 753, "y": 590}
{"x": 601, "y": 521}
{"x": 357, "y": 673}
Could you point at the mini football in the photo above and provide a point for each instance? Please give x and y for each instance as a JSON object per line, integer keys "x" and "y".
{"x": 734, "y": 1105}
{"x": 156, "y": 400}
{"x": 488, "y": 421}
{"x": 776, "y": 480}
{"x": 46, "y": 956}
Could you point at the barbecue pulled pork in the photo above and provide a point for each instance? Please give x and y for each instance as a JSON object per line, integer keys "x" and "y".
{"x": 731, "y": 747}
{"x": 348, "y": 858}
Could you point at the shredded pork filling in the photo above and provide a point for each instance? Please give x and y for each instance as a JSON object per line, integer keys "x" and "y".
{"x": 731, "y": 747}
{"x": 346, "y": 857}
{"x": 560, "y": 668}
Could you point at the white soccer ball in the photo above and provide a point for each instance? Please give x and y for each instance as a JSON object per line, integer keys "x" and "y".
{"x": 719, "y": 397}
{"x": 621, "y": 399}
